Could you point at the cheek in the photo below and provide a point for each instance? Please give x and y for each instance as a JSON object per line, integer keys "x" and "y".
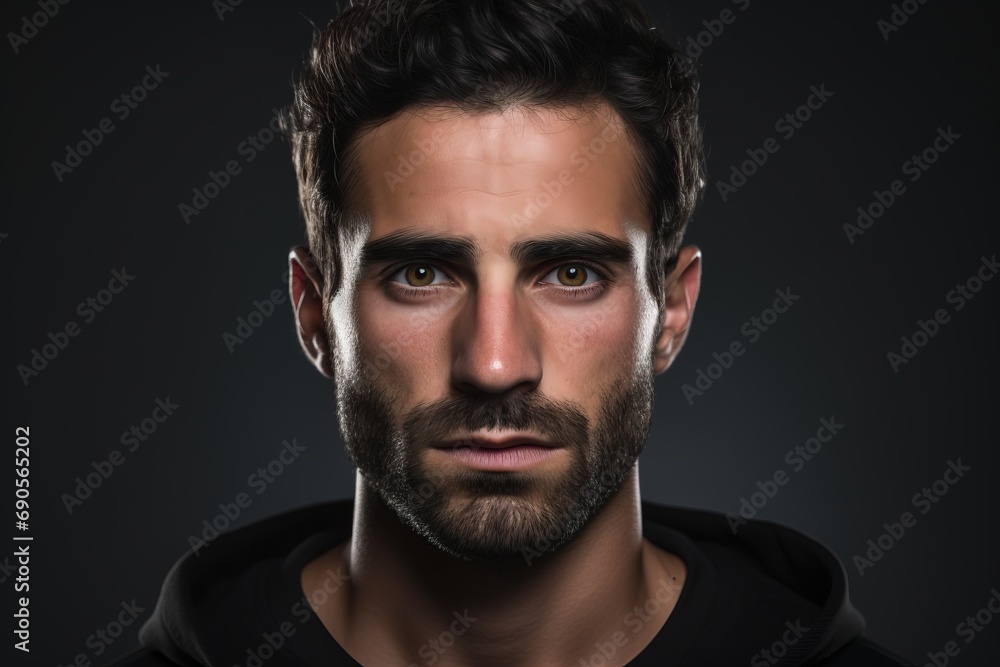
{"x": 401, "y": 348}
{"x": 586, "y": 349}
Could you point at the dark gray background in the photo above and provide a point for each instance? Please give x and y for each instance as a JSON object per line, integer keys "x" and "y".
{"x": 825, "y": 357}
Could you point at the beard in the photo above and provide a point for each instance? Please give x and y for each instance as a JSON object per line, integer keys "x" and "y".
{"x": 480, "y": 515}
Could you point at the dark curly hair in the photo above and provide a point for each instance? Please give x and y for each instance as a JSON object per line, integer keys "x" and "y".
{"x": 380, "y": 57}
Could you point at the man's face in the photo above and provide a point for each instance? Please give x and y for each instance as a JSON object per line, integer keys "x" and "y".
{"x": 493, "y": 334}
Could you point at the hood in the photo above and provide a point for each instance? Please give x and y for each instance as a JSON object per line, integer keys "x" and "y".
{"x": 760, "y": 582}
{"x": 781, "y": 596}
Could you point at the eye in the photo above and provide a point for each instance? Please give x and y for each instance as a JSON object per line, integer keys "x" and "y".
{"x": 420, "y": 275}
{"x": 572, "y": 275}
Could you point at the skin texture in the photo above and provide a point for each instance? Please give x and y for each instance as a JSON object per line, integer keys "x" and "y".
{"x": 549, "y": 559}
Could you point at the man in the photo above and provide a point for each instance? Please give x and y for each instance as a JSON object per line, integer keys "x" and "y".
{"x": 495, "y": 196}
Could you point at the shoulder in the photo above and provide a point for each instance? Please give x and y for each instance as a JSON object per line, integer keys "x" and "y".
{"x": 863, "y": 652}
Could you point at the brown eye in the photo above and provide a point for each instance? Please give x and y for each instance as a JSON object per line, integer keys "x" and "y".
{"x": 572, "y": 275}
{"x": 419, "y": 275}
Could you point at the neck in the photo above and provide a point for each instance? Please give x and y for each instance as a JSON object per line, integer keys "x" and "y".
{"x": 406, "y": 599}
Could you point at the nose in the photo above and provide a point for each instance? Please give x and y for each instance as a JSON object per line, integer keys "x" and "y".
{"x": 495, "y": 344}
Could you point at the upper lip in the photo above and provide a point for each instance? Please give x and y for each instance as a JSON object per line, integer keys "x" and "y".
{"x": 496, "y": 442}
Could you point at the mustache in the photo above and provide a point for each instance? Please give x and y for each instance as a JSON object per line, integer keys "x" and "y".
{"x": 559, "y": 421}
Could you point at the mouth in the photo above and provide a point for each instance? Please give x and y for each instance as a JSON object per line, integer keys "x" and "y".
{"x": 506, "y": 442}
{"x": 514, "y": 452}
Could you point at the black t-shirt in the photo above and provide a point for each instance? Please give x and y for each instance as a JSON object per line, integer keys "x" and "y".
{"x": 313, "y": 645}
{"x": 770, "y": 589}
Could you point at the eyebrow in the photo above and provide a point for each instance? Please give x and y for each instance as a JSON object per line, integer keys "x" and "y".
{"x": 463, "y": 250}
{"x": 588, "y": 245}
{"x": 405, "y": 244}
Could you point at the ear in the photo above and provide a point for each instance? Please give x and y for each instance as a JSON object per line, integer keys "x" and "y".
{"x": 680, "y": 293}
{"x": 305, "y": 287}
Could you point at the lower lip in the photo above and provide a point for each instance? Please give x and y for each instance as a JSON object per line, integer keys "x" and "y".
{"x": 506, "y": 458}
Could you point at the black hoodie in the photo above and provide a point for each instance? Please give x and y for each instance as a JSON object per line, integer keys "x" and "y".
{"x": 764, "y": 596}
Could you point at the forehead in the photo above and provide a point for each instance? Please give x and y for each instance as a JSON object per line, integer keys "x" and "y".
{"x": 500, "y": 176}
